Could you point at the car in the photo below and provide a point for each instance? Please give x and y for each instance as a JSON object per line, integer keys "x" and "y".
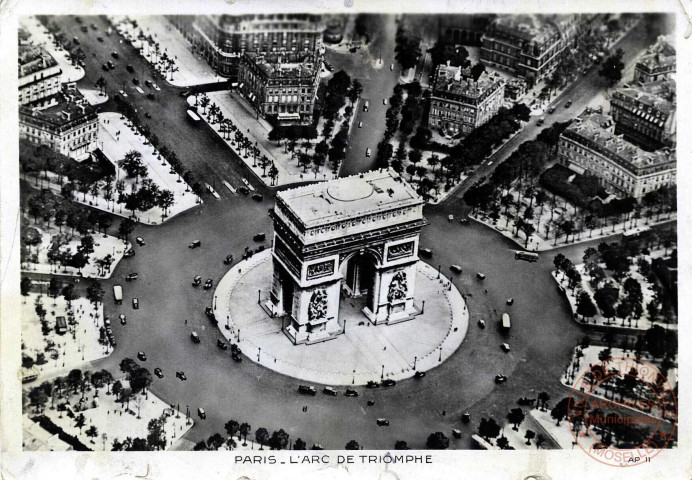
{"x": 500, "y": 378}
{"x": 568, "y": 104}
{"x": 481, "y": 323}
{"x": 464, "y": 221}
{"x": 78, "y": 19}
{"x": 114, "y": 54}
{"x": 130, "y": 68}
{"x": 551, "y": 110}
{"x": 84, "y": 28}
{"x": 541, "y": 121}
{"x": 122, "y": 92}
{"x": 236, "y": 357}
{"x": 257, "y": 196}
{"x": 260, "y": 237}
{"x": 109, "y": 331}
{"x": 368, "y": 152}
{"x": 456, "y": 433}
{"x": 147, "y": 115}
{"x": 113, "y": 342}
{"x": 202, "y": 414}
{"x": 510, "y": 301}
{"x": 466, "y": 417}
{"x": 100, "y": 39}
{"x": 142, "y": 356}
{"x": 350, "y": 393}
{"x": 455, "y": 268}
{"x": 181, "y": 376}
{"x": 259, "y": 249}
{"x": 122, "y": 318}
{"x": 526, "y": 401}
{"x": 388, "y": 382}
{"x": 131, "y": 276}
{"x": 419, "y": 374}
{"x": 208, "y": 284}
{"x": 135, "y": 303}
{"x": 228, "y": 260}
{"x": 135, "y": 80}
{"x": 195, "y": 337}
{"x": 382, "y": 422}
{"x": 156, "y": 87}
{"x": 235, "y": 349}
{"x": 195, "y": 244}
{"x": 360, "y": 124}
{"x": 140, "y": 241}
{"x": 244, "y": 190}
{"x": 151, "y": 96}
{"x": 129, "y": 253}
{"x": 480, "y": 276}
{"x": 330, "y": 391}
{"x": 221, "y": 344}
{"x": 391, "y": 67}
{"x": 450, "y": 218}
{"x": 107, "y": 322}
{"x": 372, "y": 384}
{"x": 209, "y": 312}
{"x": 110, "y": 64}
{"x": 505, "y": 347}
{"x": 147, "y": 83}
{"x": 93, "y": 26}
{"x": 384, "y": 101}
{"x": 158, "y": 372}
{"x": 197, "y": 280}
{"x": 105, "y": 67}
{"x": 425, "y": 252}
{"x": 307, "y": 390}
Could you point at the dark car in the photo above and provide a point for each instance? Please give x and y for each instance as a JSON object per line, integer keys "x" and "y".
{"x": 84, "y": 28}
{"x": 388, "y": 382}
{"x": 260, "y": 237}
{"x": 130, "y": 68}
{"x": 526, "y": 401}
{"x": 151, "y": 96}
{"x": 195, "y": 244}
{"x": 455, "y": 268}
{"x": 110, "y": 64}
{"x": 257, "y": 196}
{"x": 197, "y": 280}
{"x": 115, "y": 54}
{"x": 350, "y": 393}
{"x": 181, "y": 375}
{"x": 307, "y": 390}
{"x": 140, "y": 241}
{"x": 236, "y": 357}
{"x": 210, "y": 313}
{"x": 466, "y": 417}
{"x": 147, "y": 115}
{"x": 135, "y": 81}
{"x": 382, "y": 422}
{"x": 135, "y": 303}
{"x": 330, "y": 391}
{"x": 142, "y": 356}
{"x": 480, "y": 276}
{"x": 93, "y": 26}
{"x": 419, "y": 374}
{"x": 373, "y": 384}
{"x": 425, "y": 252}
{"x": 228, "y": 260}
{"x": 510, "y": 301}
{"x": 551, "y": 110}
{"x": 128, "y": 253}
{"x": 500, "y": 378}
{"x": 221, "y": 344}
{"x": 568, "y": 104}
{"x": 105, "y": 67}
{"x": 131, "y": 276}
{"x": 158, "y": 372}
{"x": 147, "y": 83}
{"x": 208, "y": 284}
{"x": 195, "y": 337}
{"x": 100, "y": 39}
{"x": 244, "y": 190}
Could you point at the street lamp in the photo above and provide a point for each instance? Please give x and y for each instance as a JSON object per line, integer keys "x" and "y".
{"x": 438, "y": 270}
{"x": 259, "y": 352}
{"x": 382, "y": 374}
{"x": 440, "y": 358}
{"x": 259, "y": 292}
{"x": 354, "y": 377}
{"x": 228, "y": 319}
{"x": 214, "y": 302}
{"x": 414, "y": 362}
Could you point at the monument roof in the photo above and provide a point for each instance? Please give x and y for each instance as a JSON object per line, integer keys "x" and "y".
{"x": 349, "y": 197}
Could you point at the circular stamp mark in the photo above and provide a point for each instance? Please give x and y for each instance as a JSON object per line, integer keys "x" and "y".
{"x": 622, "y": 412}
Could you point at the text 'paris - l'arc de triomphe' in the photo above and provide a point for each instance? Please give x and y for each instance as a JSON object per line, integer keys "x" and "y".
{"x": 358, "y": 237}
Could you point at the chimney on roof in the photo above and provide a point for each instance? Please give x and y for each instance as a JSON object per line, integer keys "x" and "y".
{"x": 67, "y": 115}
{"x": 448, "y": 62}
{"x": 457, "y": 75}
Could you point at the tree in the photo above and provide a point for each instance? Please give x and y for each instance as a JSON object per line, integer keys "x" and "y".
{"x": 140, "y": 379}
{"x": 437, "y": 441}
{"x": 477, "y": 70}
{"x": 92, "y": 432}
{"x": 611, "y": 69}
{"x": 165, "y": 200}
{"x": 215, "y": 442}
{"x": 25, "y": 286}
{"x": 401, "y": 445}
{"x": 560, "y": 410}
{"x": 79, "y": 422}
{"x": 127, "y": 365}
{"x": 232, "y": 427}
{"x": 38, "y": 398}
{"x": 352, "y": 445}
{"x": 516, "y": 416}
{"x": 126, "y": 227}
{"x": 200, "y": 446}
{"x": 279, "y": 440}
{"x": 530, "y": 434}
{"x": 74, "y": 379}
{"x": 95, "y": 293}
{"x": 585, "y": 306}
{"x": 407, "y": 49}
{"x": 488, "y": 428}
{"x": 503, "y": 443}
{"x": 245, "y": 428}
{"x": 299, "y": 444}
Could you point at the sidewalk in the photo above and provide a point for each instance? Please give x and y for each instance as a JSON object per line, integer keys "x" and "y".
{"x": 94, "y": 97}
{"x": 352, "y": 358}
{"x": 41, "y": 36}
{"x": 188, "y": 69}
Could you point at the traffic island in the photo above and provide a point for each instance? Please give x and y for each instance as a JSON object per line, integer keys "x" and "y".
{"x": 363, "y": 352}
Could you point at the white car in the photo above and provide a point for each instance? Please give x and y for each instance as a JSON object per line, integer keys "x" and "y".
{"x": 122, "y": 92}
{"x": 156, "y": 87}
{"x": 360, "y": 124}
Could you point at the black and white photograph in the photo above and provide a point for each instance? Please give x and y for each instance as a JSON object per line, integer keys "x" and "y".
{"x": 266, "y": 230}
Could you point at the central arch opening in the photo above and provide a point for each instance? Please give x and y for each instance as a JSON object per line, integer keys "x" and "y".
{"x": 359, "y": 272}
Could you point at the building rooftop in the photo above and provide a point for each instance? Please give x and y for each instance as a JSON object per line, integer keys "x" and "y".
{"x": 598, "y": 128}
{"x": 290, "y": 65}
{"x": 660, "y": 94}
{"x": 32, "y": 59}
{"x": 531, "y": 27}
{"x": 459, "y": 81}
{"x": 349, "y": 197}
{"x": 66, "y": 107}
{"x": 36, "y": 438}
{"x": 659, "y": 56}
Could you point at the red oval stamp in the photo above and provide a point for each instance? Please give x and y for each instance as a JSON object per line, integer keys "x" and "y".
{"x": 623, "y": 412}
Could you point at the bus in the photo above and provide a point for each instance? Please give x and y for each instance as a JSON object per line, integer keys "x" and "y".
{"x": 506, "y": 323}
{"x": 528, "y": 256}
{"x": 366, "y": 106}
{"x": 60, "y": 325}
{"x": 634, "y": 233}
{"x": 118, "y": 294}
{"x": 193, "y": 116}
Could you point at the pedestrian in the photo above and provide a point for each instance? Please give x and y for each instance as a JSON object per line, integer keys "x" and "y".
{"x": 444, "y": 412}
{"x": 186, "y": 321}
{"x": 486, "y": 290}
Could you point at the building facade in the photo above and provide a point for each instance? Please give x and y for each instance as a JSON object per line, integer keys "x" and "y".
{"x": 68, "y": 125}
{"x": 646, "y": 114}
{"x": 39, "y": 75}
{"x": 658, "y": 63}
{"x": 355, "y": 237}
{"x": 529, "y": 45}
{"x": 223, "y": 39}
{"x": 459, "y": 104}
{"x": 589, "y": 146}
{"x": 280, "y": 85}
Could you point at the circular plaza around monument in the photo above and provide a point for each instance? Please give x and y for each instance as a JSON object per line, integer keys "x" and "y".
{"x": 363, "y": 352}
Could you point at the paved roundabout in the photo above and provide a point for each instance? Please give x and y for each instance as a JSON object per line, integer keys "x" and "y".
{"x": 364, "y": 352}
